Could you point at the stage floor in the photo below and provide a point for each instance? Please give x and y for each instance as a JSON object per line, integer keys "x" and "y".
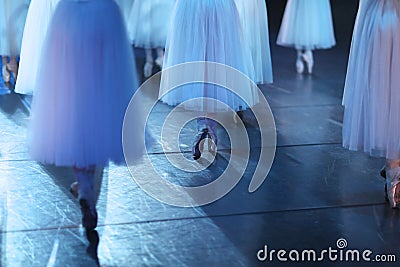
{"x": 316, "y": 194}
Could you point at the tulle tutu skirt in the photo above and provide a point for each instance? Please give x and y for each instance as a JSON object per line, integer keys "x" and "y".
{"x": 37, "y": 21}
{"x": 307, "y": 24}
{"x": 254, "y": 18}
{"x": 372, "y": 89}
{"x": 12, "y": 21}
{"x": 85, "y": 81}
{"x": 149, "y": 22}
{"x": 207, "y": 30}
{"x": 125, "y": 6}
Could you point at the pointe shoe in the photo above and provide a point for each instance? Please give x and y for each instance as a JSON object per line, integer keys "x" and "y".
{"x": 392, "y": 194}
{"x": 13, "y": 68}
{"x": 74, "y": 189}
{"x": 392, "y": 190}
{"x": 89, "y": 214}
{"x": 159, "y": 61}
{"x": 148, "y": 69}
{"x": 299, "y": 66}
{"x": 309, "y": 59}
{"x": 213, "y": 141}
{"x": 201, "y": 135}
{"x": 238, "y": 115}
{"x": 6, "y": 74}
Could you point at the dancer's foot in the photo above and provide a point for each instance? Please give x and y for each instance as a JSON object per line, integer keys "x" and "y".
{"x": 309, "y": 59}
{"x": 148, "y": 69}
{"x": 196, "y": 150}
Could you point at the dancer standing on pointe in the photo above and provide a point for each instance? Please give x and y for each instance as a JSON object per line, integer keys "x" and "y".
{"x": 372, "y": 89}
{"x": 37, "y": 21}
{"x": 12, "y": 21}
{"x": 207, "y": 31}
{"x": 254, "y": 18}
{"x": 86, "y": 81}
{"x": 306, "y": 26}
{"x": 148, "y": 26}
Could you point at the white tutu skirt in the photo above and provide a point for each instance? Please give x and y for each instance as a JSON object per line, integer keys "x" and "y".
{"x": 254, "y": 18}
{"x": 12, "y": 21}
{"x": 207, "y": 30}
{"x": 307, "y": 24}
{"x": 37, "y": 21}
{"x": 125, "y": 6}
{"x": 372, "y": 89}
{"x": 149, "y": 22}
{"x": 85, "y": 81}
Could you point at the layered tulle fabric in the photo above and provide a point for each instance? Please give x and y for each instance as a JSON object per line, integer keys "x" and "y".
{"x": 372, "y": 89}
{"x": 12, "y": 21}
{"x": 149, "y": 22}
{"x": 307, "y": 24}
{"x": 85, "y": 81}
{"x": 125, "y": 6}
{"x": 37, "y": 21}
{"x": 254, "y": 18}
{"x": 207, "y": 30}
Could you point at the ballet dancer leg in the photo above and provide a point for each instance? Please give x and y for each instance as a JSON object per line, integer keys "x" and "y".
{"x": 86, "y": 196}
{"x": 309, "y": 59}
{"x": 4, "y": 69}
{"x": 148, "y": 66}
{"x": 13, "y": 67}
{"x": 299, "y": 62}
{"x": 206, "y": 128}
{"x": 392, "y": 186}
{"x": 160, "y": 57}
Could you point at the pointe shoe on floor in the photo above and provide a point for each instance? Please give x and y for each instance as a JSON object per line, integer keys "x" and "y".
{"x": 13, "y": 68}
{"x": 74, "y": 189}
{"x": 148, "y": 69}
{"x": 201, "y": 135}
{"x": 213, "y": 142}
{"x": 159, "y": 61}
{"x": 392, "y": 194}
{"x": 6, "y": 74}
{"x": 309, "y": 59}
{"x": 299, "y": 66}
{"x": 392, "y": 189}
